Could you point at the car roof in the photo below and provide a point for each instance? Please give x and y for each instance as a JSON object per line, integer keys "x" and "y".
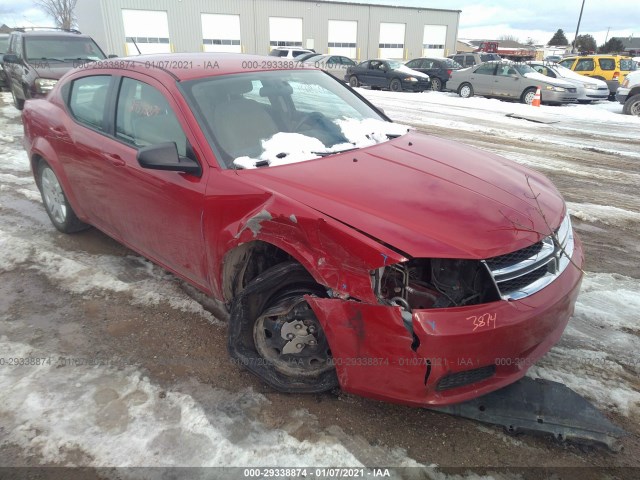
{"x": 51, "y": 33}
{"x": 202, "y": 65}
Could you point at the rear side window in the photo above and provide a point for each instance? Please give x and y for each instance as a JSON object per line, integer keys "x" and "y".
{"x": 607, "y": 63}
{"x": 585, "y": 65}
{"x": 144, "y": 117}
{"x": 567, "y": 63}
{"x": 88, "y": 100}
{"x": 486, "y": 69}
{"x": 414, "y": 63}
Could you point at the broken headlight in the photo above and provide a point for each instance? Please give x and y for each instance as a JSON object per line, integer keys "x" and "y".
{"x": 435, "y": 283}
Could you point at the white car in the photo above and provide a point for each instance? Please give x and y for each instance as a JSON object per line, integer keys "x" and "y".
{"x": 288, "y": 52}
{"x": 589, "y": 89}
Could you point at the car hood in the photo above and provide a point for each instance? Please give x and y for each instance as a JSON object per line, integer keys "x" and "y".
{"x": 552, "y": 81}
{"x": 424, "y": 196}
{"x": 410, "y": 71}
{"x": 52, "y": 70}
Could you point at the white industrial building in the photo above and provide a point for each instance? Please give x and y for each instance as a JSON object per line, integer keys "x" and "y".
{"x": 356, "y": 30}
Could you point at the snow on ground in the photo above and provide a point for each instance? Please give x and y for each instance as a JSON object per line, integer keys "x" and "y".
{"x": 598, "y": 354}
{"x": 589, "y": 212}
{"x": 477, "y": 114}
{"x": 120, "y": 418}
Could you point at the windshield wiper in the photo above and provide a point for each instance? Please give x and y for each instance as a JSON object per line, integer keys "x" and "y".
{"x": 333, "y": 152}
{"x": 84, "y": 59}
{"x": 45, "y": 59}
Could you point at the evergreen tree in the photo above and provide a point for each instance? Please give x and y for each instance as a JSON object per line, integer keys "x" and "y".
{"x": 585, "y": 43}
{"x": 558, "y": 39}
{"x": 613, "y": 45}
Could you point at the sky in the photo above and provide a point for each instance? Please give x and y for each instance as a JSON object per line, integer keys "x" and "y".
{"x": 480, "y": 19}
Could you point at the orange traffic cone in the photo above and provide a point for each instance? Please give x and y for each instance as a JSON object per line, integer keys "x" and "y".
{"x": 536, "y": 99}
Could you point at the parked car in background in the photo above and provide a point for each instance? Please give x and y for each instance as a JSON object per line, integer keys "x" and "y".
{"x": 438, "y": 69}
{"x": 609, "y": 68}
{"x": 289, "y": 52}
{"x": 4, "y": 45}
{"x": 335, "y": 65}
{"x": 333, "y": 233}
{"x": 391, "y": 74}
{"x": 304, "y": 56}
{"x": 510, "y": 80}
{"x": 36, "y": 59}
{"x": 471, "y": 59}
{"x": 588, "y": 89}
{"x": 629, "y": 94}
{"x": 553, "y": 58}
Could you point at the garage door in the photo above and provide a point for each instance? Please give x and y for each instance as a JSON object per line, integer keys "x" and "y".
{"x": 285, "y": 32}
{"x": 434, "y": 40}
{"x": 391, "y": 40}
{"x": 342, "y": 37}
{"x": 148, "y": 29}
{"x": 221, "y": 33}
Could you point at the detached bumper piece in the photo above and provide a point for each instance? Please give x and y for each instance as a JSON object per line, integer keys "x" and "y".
{"x": 543, "y": 407}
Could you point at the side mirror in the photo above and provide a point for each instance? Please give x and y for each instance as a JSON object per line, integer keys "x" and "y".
{"x": 164, "y": 156}
{"x": 10, "y": 58}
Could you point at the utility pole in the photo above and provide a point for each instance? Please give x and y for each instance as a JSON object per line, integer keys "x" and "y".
{"x": 607, "y": 37}
{"x": 577, "y": 28}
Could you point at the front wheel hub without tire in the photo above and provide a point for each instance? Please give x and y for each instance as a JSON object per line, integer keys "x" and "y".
{"x": 289, "y": 336}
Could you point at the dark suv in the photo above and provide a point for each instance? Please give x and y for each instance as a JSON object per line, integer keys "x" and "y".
{"x": 36, "y": 59}
{"x": 4, "y": 44}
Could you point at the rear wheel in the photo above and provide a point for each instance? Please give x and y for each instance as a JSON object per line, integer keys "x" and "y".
{"x": 527, "y": 96}
{"x": 465, "y": 90}
{"x": 395, "y": 85}
{"x": 353, "y": 81}
{"x": 55, "y": 201}
{"x": 275, "y": 334}
{"x": 632, "y": 106}
{"x": 436, "y": 84}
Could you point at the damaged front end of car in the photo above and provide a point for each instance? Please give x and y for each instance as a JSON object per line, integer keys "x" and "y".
{"x": 448, "y": 330}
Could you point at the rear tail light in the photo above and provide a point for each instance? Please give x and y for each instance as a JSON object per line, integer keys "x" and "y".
{"x": 449, "y": 72}
{"x": 616, "y": 75}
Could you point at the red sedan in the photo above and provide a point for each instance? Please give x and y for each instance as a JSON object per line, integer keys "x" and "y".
{"x": 350, "y": 251}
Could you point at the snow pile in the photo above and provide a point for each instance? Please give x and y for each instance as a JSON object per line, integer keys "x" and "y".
{"x": 590, "y": 212}
{"x": 598, "y": 355}
{"x": 285, "y": 148}
{"x": 119, "y": 418}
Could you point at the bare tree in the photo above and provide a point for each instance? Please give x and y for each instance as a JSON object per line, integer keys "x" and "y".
{"x": 62, "y": 11}
{"x": 508, "y": 37}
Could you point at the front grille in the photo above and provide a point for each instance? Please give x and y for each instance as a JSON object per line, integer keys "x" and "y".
{"x": 514, "y": 257}
{"x": 460, "y": 379}
{"x": 528, "y": 270}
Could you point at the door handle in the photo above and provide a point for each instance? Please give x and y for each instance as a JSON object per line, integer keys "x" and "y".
{"x": 115, "y": 159}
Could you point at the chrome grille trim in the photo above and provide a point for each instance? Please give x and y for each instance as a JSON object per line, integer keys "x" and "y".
{"x": 536, "y": 271}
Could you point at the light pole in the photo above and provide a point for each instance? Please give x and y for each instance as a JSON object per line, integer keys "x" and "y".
{"x": 573, "y": 50}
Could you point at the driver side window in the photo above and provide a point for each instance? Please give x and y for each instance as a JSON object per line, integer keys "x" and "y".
{"x": 144, "y": 117}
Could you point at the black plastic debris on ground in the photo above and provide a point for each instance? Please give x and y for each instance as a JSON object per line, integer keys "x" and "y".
{"x": 531, "y": 119}
{"x": 545, "y": 407}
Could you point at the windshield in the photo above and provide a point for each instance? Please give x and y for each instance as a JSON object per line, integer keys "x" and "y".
{"x": 62, "y": 48}
{"x": 523, "y": 69}
{"x": 393, "y": 65}
{"x": 4, "y": 43}
{"x": 452, "y": 63}
{"x": 489, "y": 57}
{"x": 279, "y": 117}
